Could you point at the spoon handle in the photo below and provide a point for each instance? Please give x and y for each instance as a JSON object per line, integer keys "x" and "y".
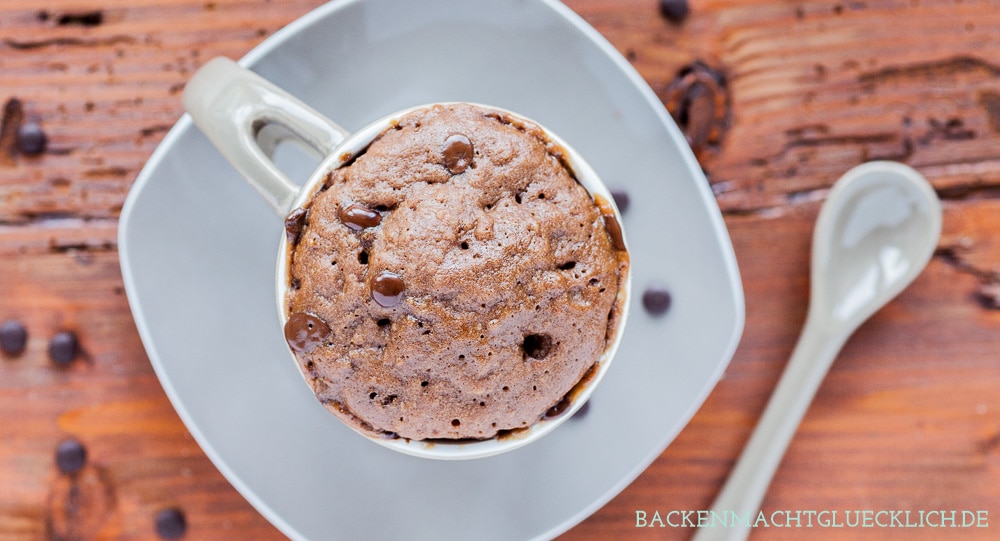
{"x": 737, "y": 507}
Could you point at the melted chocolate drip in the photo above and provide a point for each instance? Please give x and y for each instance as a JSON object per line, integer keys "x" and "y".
{"x": 559, "y": 409}
{"x": 294, "y": 223}
{"x": 611, "y": 224}
{"x": 614, "y": 231}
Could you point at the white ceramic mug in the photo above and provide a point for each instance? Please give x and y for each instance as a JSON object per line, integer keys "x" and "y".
{"x": 246, "y": 116}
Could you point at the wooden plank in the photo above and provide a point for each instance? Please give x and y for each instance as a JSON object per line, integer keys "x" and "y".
{"x": 106, "y": 94}
{"x": 814, "y": 87}
{"x": 778, "y": 98}
{"x": 140, "y": 457}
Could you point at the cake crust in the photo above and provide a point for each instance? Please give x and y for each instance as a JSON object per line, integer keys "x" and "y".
{"x": 459, "y": 280}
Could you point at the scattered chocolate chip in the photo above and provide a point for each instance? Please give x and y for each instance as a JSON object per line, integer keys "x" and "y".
{"x": 63, "y": 348}
{"x": 458, "y": 153}
{"x": 31, "y": 140}
{"x": 170, "y": 523}
{"x": 294, "y": 222}
{"x": 71, "y": 455}
{"x": 387, "y": 289}
{"x": 357, "y": 217}
{"x": 675, "y": 10}
{"x": 13, "y": 337}
{"x": 656, "y": 300}
{"x": 621, "y": 200}
{"x": 304, "y": 332}
{"x": 537, "y": 346}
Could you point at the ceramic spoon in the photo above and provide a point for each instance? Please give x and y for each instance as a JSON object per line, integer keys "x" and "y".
{"x": 875, "y": 233}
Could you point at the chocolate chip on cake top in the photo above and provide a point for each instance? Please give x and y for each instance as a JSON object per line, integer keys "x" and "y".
{"x": 453, "y": 280}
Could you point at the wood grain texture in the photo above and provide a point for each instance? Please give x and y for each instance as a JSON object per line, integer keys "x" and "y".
{"x": 778, "y": 97}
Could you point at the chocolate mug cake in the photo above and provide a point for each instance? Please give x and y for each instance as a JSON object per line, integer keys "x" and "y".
{"x": 453, "y": 280}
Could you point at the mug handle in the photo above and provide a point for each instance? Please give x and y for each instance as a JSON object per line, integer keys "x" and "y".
{"x": 245, "y": 116}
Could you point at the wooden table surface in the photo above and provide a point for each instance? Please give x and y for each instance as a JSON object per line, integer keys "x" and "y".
{"x": 778, "y": 97}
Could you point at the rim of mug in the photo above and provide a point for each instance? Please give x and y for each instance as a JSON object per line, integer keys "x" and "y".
{"x": 356, "y": 144}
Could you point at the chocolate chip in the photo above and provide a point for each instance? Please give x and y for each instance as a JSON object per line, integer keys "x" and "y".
{"x": 537, "y": 346}
{"x": 31, "y": 140}
{"x": 656, "y": 300}
{"x": 63, "y": 348}
{"x": 387, "y": 289}
{"x": 304, "y": 332}
{"x": 675, "y": 10}
{"x": 621, "y": 200}
{"x": 457, "y": 153}
{"x": 294, "y": 222}
{"x": 357, "y": 217}
{"x": 71, "y": 455}
{"x": 13, "y": 337}
{"x": 170, "y": 523}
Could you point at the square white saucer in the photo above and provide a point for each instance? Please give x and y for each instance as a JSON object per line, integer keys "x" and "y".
{"x": 198, "y": 250}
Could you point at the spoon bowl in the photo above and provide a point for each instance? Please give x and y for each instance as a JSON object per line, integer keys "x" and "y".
{"x": 875, "y": 233}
